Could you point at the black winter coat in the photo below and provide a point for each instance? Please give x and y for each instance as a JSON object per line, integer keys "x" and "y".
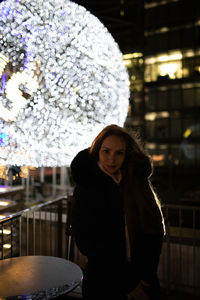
{"x": 98, "y": 224}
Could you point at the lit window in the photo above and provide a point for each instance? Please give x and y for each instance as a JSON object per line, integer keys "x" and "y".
{"x": 7, "y": 246}
{"x": 3, "y": 203}
{"x": 164, "y": 65}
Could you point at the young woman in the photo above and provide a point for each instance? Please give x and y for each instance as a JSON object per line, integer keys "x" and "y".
{"x": 117, "y": 219}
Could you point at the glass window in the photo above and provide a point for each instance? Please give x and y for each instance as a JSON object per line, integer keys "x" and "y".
{"x": 149, "y": 17}
{"x": 167, "y": 64}
{"x": 151, "y": 103}
{"x": 197, "y": 96}
{"x": 188, "y": 97}
{"x": 188, "y": 37}
{"x": 175, "y": 154}
{"x": 175, "y": 39}
{"x": 138, "y": 108}
{"x": 176, "y": 127}
{"x": 198, "y": 154}
{"x": 147, "y": 73}
{"x": 173, "y": 69}
{"x": 175, "y": 98}
{"x": 162, "y": 15}
{"x": 188, "y": 66}
{"x": 162, "y": 100}
{"x": 154, "y": 72}
{"x": 162, "y": 128}
{"x": 162, "y": 41}
{"x": 150, "y": 129}
{"x": 150, "y": 43}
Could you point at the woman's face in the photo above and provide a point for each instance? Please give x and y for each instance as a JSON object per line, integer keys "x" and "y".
{"x": 112, "y": 153}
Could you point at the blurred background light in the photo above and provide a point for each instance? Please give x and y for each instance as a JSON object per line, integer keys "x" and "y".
{"x": 62, "y": 80}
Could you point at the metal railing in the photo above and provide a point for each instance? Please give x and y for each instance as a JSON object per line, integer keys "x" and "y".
{"x": 179, "y": 267}
{"x": 39, "y": 230}
{"x": 45, "y": 229}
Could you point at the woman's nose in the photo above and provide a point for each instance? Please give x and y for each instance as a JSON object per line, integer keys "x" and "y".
{"x": 112, "y": 157}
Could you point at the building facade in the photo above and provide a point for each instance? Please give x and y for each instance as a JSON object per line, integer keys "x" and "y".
{"x": 172, "y": 93}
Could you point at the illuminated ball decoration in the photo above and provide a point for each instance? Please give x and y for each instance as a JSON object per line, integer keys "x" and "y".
{"x": 62, "y": 80}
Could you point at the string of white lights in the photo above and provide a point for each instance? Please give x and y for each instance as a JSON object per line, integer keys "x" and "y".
{"x": 62, "y": 80}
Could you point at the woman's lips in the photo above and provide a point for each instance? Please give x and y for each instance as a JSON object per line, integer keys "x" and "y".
{"x": 111, "y": 167}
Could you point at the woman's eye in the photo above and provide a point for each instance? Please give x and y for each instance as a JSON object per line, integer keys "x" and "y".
{"x": 120, "y": 153}
{"x": 106, "y": 150}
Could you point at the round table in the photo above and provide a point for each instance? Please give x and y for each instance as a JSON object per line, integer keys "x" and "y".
{"x": 37, "y": 277}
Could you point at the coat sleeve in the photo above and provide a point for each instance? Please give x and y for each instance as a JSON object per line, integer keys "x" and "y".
{"x": 85, "y": 224}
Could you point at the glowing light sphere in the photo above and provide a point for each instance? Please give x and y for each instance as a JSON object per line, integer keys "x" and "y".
{"x": 62, "y": 80}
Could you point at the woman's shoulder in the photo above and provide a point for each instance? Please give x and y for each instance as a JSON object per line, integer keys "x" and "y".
{"x": 85, "y": 170}
{"x": 80, "y": 159}
{"x": 141, "y": 166}
{"x": 81, "y": 166}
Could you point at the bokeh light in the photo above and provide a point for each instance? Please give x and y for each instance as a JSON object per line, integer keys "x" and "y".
{"x": 62, "y": 80}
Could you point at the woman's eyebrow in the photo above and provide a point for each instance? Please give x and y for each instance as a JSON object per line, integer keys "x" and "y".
{"x": 121, "y": 149}
{"x": 105, "y": 147}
